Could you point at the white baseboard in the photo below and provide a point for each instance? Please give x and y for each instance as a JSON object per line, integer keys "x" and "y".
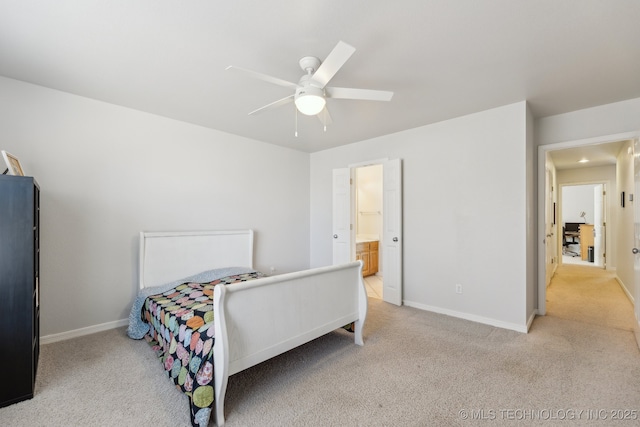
{"x": 473, "y": 317}
{"x": 625, "y": 290}
{"x": 531, "y": 319}
{"x": 48, "y": 339}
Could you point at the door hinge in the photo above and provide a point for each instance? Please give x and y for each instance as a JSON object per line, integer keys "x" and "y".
{"x": 350, "y": 226}
{"x": 350, "y": 181}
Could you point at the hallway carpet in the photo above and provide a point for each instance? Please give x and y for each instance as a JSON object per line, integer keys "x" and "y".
{"x": 590, "y": 295}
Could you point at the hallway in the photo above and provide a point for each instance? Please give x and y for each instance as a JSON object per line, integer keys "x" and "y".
{"x": 589, "y": 295}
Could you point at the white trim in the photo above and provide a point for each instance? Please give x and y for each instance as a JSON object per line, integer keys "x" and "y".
{"x": 625, "y": 290}
{"x": 368, "y": 163}
{"x": 542, "y": 259}
{"x": 590, "y": 141}
{"x": 531, "y": 319}
{"x": 472, "y": 317}
{"x": 63, "y": 336}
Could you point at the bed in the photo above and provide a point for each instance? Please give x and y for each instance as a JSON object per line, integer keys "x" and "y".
{"x": 240, "y": 317}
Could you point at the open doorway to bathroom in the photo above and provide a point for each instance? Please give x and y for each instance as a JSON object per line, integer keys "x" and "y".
{"x": 369, "y": 225}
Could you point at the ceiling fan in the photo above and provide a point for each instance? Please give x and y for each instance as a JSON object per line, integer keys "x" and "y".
{"x": 311, "y": 91}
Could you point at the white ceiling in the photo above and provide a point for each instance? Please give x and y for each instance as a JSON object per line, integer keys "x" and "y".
{"x": 442, "y": 58}
{"x": 597, "y": 155}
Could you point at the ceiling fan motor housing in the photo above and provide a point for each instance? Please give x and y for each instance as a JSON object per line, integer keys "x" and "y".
{"x": 307, "y": 88}
{"x": 309, "y": 64}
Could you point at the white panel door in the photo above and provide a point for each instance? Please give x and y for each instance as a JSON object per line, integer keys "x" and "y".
{"x": 342, "y": 216}
{"x": 549, "y": 226}
{"x": 392, "y": 233}
{"x": 636, "y": 238}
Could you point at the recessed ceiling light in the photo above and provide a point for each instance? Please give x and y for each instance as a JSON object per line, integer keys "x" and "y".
{"x": 583, "y": 161}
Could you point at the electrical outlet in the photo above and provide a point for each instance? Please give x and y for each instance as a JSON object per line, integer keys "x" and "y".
{"x": 458, "y": 288}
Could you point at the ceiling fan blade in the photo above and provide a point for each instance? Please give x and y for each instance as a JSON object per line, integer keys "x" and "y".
{"x": 261, "y": 76}
{"x": 274, "y": 104}
{"x": 362, "y": 94}
{"x": 330, "y": 66}
{"x": 325, "y": 117}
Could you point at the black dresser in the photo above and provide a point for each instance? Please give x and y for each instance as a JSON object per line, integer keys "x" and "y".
{"x": 19, "y": 287}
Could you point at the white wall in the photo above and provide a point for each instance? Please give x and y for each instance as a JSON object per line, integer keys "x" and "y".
{"x": 609, "y": 119}
{"x": 369, "y": 200}
{"x": 107, "y": 172}
{"x": 624, "y": 236}
{"x": 465, "y": 212}
{"x": 531, "y": 230}
{"x": 575, "y": 200}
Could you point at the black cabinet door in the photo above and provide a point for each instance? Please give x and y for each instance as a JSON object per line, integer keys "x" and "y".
{"x": 18, "y": 317}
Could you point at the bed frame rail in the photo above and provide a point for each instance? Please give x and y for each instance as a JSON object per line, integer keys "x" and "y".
{"x": 260, "y": 319}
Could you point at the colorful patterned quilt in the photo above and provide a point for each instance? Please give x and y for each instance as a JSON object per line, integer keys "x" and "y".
{"x": 182, "y": 334}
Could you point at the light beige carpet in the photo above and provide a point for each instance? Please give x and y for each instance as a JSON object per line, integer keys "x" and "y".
{"x": 590, "y": 295}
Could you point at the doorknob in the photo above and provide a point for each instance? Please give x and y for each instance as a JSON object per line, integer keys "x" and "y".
{"x": 635, "y": 250}
{"x": 395, "y": 239}
{"x": 335, "y": 236}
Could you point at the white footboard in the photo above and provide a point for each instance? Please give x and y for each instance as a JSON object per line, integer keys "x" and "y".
{"x": 260, "y": 319}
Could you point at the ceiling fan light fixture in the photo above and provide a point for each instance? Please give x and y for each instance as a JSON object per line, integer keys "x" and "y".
{"x": 310, "y": 100}
{"x": 311, "y": 91}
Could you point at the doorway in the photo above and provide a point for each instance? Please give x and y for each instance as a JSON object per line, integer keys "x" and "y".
{"x": 583, "y": 216}
{"x": 389, "y": 244}
{"x": 550, "y": 234}
{"x": 368, "y": 218}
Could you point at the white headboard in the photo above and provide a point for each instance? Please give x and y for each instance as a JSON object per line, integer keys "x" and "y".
{"x": 169, "y": 256}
